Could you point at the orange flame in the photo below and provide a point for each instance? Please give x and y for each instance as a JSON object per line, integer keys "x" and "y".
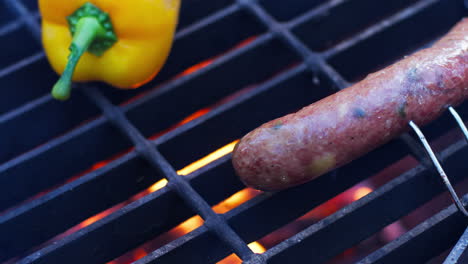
{"x": 235, "y": 200}
{"x": 139, "y": 253}
{"x": 194, "y": 116}
{"x": 256, "y": 247}
{"x": 158, "y": 185}
{"x": 189, "y": 118}
{"x": 197, "y": 67}
{"x": 99, "y": 165}
{"x": 193, "y": 222}
{"x": 95, "y": 218}
{"x": 207, "y": 62}
{"x": 208, "y": 159}
{"x": 197, "y": 164}
{"x": 188, "y": 225}
{"x": 361, "y": 192}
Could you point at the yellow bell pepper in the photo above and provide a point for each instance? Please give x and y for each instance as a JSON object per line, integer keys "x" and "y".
{"x": 122, "y": 42}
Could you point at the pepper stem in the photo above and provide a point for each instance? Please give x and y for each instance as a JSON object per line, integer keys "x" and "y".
{"x": 87, "y": 29}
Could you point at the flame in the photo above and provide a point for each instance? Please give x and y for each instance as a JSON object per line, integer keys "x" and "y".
{"x": 99, "y": 165}
{"x": 200, "y": 163}
{"x": 95, "y": 218}
{"x": 208, "y": 159}
{"x": 197, "y": 67}
{"x": 151, "y": 77}
{"x": 194, "y": 116}
{"x": 139, "y": 253}
{"x": 245, "y": 42}
{"x": 256, "y": 247}
{"x": 158, "y": 185}
{"x": 193, "y": 222}
{"x": 189, "y": 118}
{"x": 188, "y": 226}
{"x": 361, "y": 192}
{"x": 235, "y": 200}
{"x": 209, "y": 61}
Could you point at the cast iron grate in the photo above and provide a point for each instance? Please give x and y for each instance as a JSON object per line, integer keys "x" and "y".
{"x": 289, "y": 57}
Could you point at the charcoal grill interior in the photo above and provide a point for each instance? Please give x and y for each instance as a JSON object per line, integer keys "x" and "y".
{"x": 254, "y": 61}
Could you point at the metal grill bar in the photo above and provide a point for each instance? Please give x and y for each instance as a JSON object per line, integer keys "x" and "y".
{"x": 15, "y": 177}
{"x": 16, "y": 168}
{"x": 409, "y": 190}
{"x": 191, "y": 35}
{"x": 458, "y": 250}
{"x": 224, "y": 31}
{"x": 251, "y": 210}
{"x": 417, "y": 152}
{"x": 314, "y": 60}
{"x": 213, "y": 221}
{"x": 380, "y": 27}
{"x": 122, "y": 178}
{"x": 22, "y": 63}
{"x": 329, "y": 30}
{"x": 131, "y": 226}
{"x": 185, "y": 89}
{"x": 13, "y": 33}
{"x": 438, "y": 231}
{"x": 20, "y": 139}
{"x": 10, "y": 27}
{"x": 28, "y": 18}
{"x": 63, "y": 196}
{"x": 197, "y": 11}
{"x": 412, "y": 189}
{"x": 376, "y": 47}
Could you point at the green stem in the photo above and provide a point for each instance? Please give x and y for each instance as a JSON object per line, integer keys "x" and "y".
{"x": 87, "y": 29}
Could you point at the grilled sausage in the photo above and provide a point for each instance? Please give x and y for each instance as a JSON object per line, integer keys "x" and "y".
{"x": 299, "y": 147}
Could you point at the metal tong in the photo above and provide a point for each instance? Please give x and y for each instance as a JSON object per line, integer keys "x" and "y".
{"x": 459, "y": 249}
{"x": 436, "y": 162}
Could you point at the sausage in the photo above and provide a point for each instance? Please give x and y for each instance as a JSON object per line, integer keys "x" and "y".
{"x": 331, "y": 132}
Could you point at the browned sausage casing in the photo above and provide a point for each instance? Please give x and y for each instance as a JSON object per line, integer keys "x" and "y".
{"x": 299, "y": 147}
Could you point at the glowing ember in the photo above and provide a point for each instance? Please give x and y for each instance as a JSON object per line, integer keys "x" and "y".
{"x": 236, "y": 200}
{"x": 207, "y": 62}
{"x": 139, "y": 253}
{"x": 197, "y": 67}
{"x": 96, "y": 218}
{"x": 361, "y": 192}
{"x": 194, "y": 116}
{"x": 158, "y": 185}
{"x": 195, "y": 221}
{"x": 256, "y": 247}
{"x": 203, "y": 162}
{"x": 320, "y": 212}
{"x": 99, "y": 165}
{"x": 187, "y": 226}
{"x": 208, "y": 159}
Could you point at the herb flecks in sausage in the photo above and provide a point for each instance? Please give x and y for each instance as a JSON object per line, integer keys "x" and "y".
{"x": 358, "y": 112}
{"x": 277, "y": 125}
{"x": 412, "y": 76}
{"x": 402, "y": 109}
{"x": 322, "y": 164}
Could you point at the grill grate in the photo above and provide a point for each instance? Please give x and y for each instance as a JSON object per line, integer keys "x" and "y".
{"x": 280, "y": 60}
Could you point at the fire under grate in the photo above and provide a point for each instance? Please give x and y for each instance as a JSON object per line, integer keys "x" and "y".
{"x": 255, "y": 60}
